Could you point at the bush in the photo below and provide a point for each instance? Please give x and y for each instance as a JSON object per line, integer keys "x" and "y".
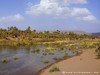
{"x": 51, "y": 53}
{"x": 15, "y": 58}
{"x": 62, "y": 48}
{"x": 98, "y": 56}
{"x": 54, "y": 69}
{"x": 36, "y": 50}
{"x": 5, "y": 60}
{"x": 44, "y": 53}
{"x": 46, "y": 61}
{"x": 66, "y": 54}
{"x": 50, "y": 48}
{"x": 55, "y": 58}
{"x": 98, "y": 52}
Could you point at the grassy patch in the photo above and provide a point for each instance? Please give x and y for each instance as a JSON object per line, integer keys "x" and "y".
{"x": 54, "y": 69}
{"x": 66, "y": 54}
{"x": 36, "y": 50}
{"x": 5, "y": 60}
{"x": 50, "y": 48}
{"x": 98, "y": 52}
{"x": 15, "y": 58}
{"x": 46, "y": 61}
{"x": 98, "y": 56}
{"x": 44, "y": 53}
{"x": 51, "y": 53}
{"x": 61, "y": 48}
{"x": 55, "y": 58}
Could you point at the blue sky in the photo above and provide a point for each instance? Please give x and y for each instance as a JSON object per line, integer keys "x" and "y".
{"x": 82, "y": 15}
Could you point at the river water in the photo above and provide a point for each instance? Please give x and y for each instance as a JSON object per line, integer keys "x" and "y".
{"x": 27, "y": 63}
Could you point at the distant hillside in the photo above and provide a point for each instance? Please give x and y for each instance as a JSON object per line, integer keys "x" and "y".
{"x": 78, "y": 32}
{"x": 74, "y": 31}
{"x": 96, "y": 34}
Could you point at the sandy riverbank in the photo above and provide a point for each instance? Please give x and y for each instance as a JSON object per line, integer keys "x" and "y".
{"x": 86, "y": 62}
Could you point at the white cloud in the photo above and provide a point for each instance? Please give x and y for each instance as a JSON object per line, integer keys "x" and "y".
{"x": 80, "y": 12}
{"x": 89, "y": 18}
{"x": 83, "y": 14}
{"x": 11, "y": 18}
{"x": 61, "y": 8}
{"x": 63, "y": 2}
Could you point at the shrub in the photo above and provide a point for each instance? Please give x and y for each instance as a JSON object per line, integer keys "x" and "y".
{"x": 36, "y": 50}
{"x": 98, "y": 52}
{"x": 54, "y": 69}
{"x": 5, "y": 60}
{"x": 50, "y": 48}
{"x": 15, "y": 58}
{"x": 98, "y": 56}
{"x": 62, "y": 48}
{"x": 51, "y": 53}
{"x": 55, "y": 58}
{"x": 46, "y": 61}
{"x": 41, "y": 56}
{"x": 45, "y": 53}
{"x": 66, "y": 54}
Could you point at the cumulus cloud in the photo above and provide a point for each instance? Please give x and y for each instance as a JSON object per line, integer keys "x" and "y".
{"x": 11, "y": 18}
{"x": 83, "y": 14}
{"x": 61, "y": 8}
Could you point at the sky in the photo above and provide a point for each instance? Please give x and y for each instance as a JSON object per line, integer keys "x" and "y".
{"x": 80, "y": 15}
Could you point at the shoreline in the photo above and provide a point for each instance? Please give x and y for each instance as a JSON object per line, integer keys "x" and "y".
{"x": 85, "y": 62}
{"x": 65, "y": 58}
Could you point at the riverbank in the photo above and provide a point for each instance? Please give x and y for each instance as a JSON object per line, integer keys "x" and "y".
{"x": 86, "y": 62}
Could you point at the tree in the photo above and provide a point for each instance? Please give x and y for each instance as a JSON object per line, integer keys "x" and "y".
{"x": 28, "y": 30}
{"x": 13, "y": 31}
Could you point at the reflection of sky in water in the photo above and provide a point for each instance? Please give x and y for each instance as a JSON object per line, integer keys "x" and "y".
{"x": 28, "y": 63}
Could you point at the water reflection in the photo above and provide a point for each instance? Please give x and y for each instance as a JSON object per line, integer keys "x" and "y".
{"x": 28, "y": 63}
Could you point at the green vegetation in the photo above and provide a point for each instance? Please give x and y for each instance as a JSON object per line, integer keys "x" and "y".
{"x": 44, "y": 53}
{"x": 51, "y": 53}
{"x": 89, "y": 44}
{"x": 41, "y": 56}
{"x": 5, "y": 60}
{"x": 66, "y": 54}
{"x": 16, "y": 37}
{"x": 15, "y": 58}
{"x": 54, "y": 69}
{"x": 50, "y": 48}
{"x": 55, "y": 58}
{"x": 61, "y": 48}
{"x": 54, "y": 40}
{"x": 98, "y": 52}
{"x": 36, "y": 50}
{"x": 46, "y": 61}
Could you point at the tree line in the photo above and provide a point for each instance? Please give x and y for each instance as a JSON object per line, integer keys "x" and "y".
{"x": 14, "y": 32}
